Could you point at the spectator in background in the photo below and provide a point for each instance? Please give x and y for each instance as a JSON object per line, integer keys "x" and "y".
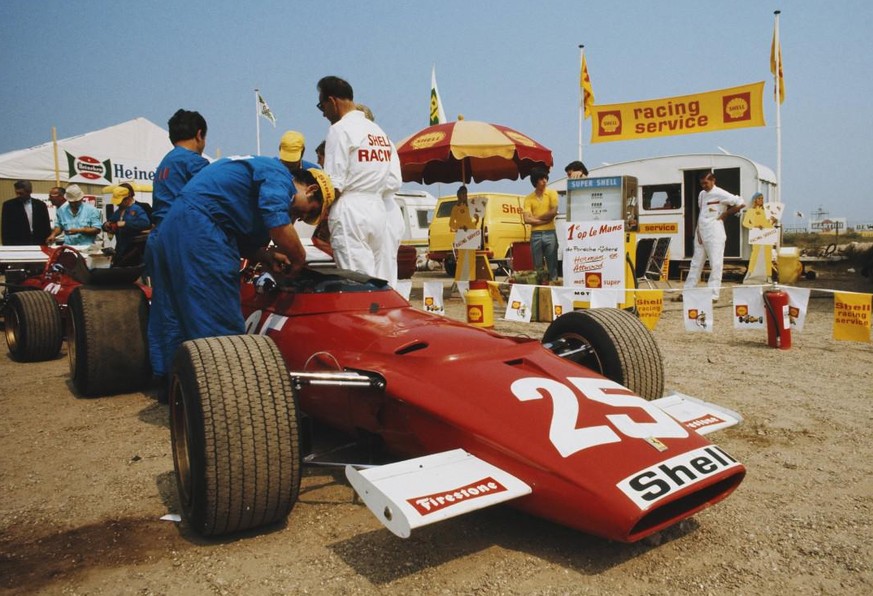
{"x": 362, "y": 163}
{"x": 76, "y": 219}
{"x": 576, "y": 169}
{"x": 188, "y": 135}
{"x": 291, "y": 149}
{"x": 56, "y": 197}
{"x": 319, "y": 154}
{"x": 540, "y": 209}
{"x": 128, "y": 222}
{"x": 25, "y": 219}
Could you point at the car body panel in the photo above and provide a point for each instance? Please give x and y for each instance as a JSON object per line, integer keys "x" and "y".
{"x": 589, "y": 449}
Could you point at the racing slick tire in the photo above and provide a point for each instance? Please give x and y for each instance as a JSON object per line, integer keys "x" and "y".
{"x": 108, "y": 343}
{"x": 235, "y": 433}
{"x": 622, "y": 348}
{"x": 33, "y": 325}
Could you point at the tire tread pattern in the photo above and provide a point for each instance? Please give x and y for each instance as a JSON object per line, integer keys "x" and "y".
{"x": 250, "y": 457}
{"x": 40, "y": 330}
{"x": 627, "y": 349}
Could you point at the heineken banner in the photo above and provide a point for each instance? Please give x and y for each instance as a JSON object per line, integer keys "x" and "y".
{"x": 737, "y": 107}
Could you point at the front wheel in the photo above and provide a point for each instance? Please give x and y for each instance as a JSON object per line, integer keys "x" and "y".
{"x": 613, "y": 343}
{"x": 235, "y": 434}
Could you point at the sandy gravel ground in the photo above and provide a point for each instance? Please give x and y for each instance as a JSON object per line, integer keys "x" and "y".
{"x": 84, "y": 482}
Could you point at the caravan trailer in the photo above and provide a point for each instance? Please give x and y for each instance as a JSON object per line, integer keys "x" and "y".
{"x": 667, "y": 189}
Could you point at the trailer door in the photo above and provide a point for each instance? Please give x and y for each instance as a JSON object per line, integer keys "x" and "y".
{"x": 729, "y": 180}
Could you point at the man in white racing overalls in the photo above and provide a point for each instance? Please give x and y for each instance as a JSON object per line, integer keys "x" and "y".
{"x": 363, "y": 166}
{"x": 715, "y": 205}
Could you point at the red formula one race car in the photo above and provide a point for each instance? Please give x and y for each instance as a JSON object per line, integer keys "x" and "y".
{"x": 37, "y": 307}
{"x": 572, "y": 428}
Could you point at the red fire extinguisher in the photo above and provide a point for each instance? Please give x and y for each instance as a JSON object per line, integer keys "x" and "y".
{"x": 778, "y": 321}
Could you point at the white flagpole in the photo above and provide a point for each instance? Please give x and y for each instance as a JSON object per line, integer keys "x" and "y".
{"x": 778, "y": 109}
{"x": 581, "y": 98}
{"x": 258, "y": 121}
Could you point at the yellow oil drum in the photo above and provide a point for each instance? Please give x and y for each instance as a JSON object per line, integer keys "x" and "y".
{"x": 788, "y": 264}
{"x": 480, "y": 308}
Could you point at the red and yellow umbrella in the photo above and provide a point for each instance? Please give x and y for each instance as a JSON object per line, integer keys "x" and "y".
{"x": 467, "y": 149}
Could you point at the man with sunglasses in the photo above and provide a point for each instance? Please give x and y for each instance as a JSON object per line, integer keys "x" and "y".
{"x": 363, "y": 165}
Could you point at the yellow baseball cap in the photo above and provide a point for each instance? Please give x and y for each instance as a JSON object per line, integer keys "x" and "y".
{"x": 327, "y": 195}
{"x": 119, "y": 194}
{"x": 291, "y": 146}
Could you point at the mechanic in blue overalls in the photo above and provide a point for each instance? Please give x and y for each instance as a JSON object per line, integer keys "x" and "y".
{"x": 233, "y": 208}
{"x": 127, "y": 222}
{"x": 188, "y": 136}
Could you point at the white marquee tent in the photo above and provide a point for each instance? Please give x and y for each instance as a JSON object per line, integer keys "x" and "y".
{"x": 129, "y": 151}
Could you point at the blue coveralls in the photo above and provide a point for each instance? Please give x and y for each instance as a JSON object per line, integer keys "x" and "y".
{"x": 136, "y": 220}
{"x": 173, "y": 173}
{"x": 224, "y": 211}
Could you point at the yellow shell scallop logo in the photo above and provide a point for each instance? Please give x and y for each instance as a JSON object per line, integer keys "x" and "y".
{"x": 736, "y": 108}
{"x": 427, "y": 140}
{"x": 610, "y": 123}
{"x": 520, "y": 138}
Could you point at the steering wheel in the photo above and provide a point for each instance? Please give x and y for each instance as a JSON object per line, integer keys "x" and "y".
{"x": 65, "y": 256}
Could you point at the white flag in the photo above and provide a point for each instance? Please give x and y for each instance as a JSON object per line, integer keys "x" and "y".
{"x": 697, "y": 304}
{"x": 798, "y": 302}
{"x": 265, "y": 111}
{"x": 520, "y": 305}
{"x": 432, "y": 297}
{"x": 748, "y": 307}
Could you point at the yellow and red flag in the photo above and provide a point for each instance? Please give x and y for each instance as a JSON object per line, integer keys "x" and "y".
{"x": 585, "y": 85}
{"x": 776, "y": 65}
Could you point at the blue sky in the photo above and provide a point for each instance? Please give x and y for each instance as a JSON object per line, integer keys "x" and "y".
{"x": 81, "y": 66}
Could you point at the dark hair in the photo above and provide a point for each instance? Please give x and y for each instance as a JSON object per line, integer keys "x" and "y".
{"x": 538, "y": 174}
{"x": 23, "y": 185}
{"x": 305, "y": 176}
{"x": 576, "y": 166}
{"x": 331, "y": 86}
{"x": 708, "y": 176}
{"x": 320, "y": 149}
{"x": 185, "y": 125}
{"x": 128, "y": 187}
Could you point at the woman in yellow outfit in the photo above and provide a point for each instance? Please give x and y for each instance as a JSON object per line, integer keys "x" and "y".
{"x": 761, "y": 261}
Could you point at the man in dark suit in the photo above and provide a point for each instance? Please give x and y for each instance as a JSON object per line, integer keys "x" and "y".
{"x": 25, "y": 219}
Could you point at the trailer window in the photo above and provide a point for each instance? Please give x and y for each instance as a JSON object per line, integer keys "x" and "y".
{"x": 424, "y": 217}
{"x": 662, "y": 196}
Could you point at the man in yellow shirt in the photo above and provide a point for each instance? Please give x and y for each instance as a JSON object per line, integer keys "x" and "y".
{"x": 540, "y": 209}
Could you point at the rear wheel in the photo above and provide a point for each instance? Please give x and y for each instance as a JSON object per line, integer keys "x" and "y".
{"x": 613, "y": 343}
{"x": 108, "y": 345}
{"x": 235, "y": 433}
{"x": 34, "y": 330}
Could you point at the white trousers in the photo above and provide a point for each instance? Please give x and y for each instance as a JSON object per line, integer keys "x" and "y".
{"x": 387, "y": 265}
{"x": 358, "y": 234}
{"x": 714, "y": 250}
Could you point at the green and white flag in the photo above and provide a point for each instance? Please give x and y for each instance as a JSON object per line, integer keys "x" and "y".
{"x": 437, "y": 115}
{"x": 265, "y": 111}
